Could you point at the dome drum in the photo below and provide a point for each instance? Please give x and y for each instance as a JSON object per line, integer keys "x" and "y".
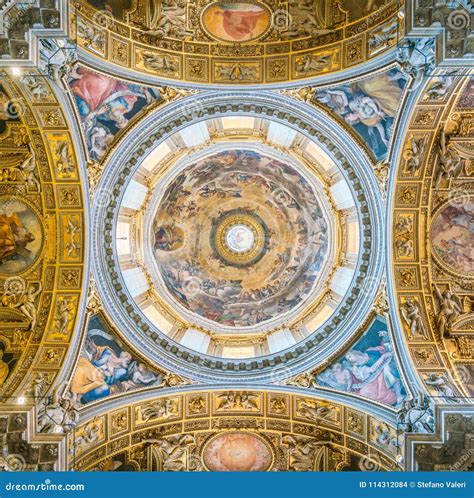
{"x": 222, "y": 338}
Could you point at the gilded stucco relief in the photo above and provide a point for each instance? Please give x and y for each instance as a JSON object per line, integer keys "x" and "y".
{"x": 241, "y": 42}
{"x": 432, "y": 202}
{"x": 237, "y": 431}
{"x": 43, "y": 237}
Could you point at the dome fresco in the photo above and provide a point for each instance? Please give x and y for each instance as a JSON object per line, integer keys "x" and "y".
{"x": 256, "y": 238}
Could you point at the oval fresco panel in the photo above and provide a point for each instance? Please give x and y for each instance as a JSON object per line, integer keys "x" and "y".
{"x": 237, "y": 452}
{"x": 236, "y": 22}
{"x": 21, "y": 236}
{"x": 452, "y": 236}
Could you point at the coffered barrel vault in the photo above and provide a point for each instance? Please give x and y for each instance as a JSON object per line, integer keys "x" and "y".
{"x": 198, "y": 430}
{"x": 44, "y": 240}
{"x": 203, "y": 43}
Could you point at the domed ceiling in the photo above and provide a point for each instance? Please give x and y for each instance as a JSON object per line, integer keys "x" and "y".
{"x": 237, "y": 237}
{"x": 240, "y": 238}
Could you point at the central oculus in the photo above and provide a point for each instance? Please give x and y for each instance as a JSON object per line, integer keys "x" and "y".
{"x": 239, "y": 238}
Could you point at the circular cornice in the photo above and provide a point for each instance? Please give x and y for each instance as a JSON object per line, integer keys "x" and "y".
{"x": 347, "y": 317}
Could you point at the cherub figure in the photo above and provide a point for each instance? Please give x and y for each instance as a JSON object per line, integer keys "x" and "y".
{"x": 414, "y": 154}
{"x": 65, "y": 308}
{"x": 450, "y": 162}
{"x": 27, "y": 168}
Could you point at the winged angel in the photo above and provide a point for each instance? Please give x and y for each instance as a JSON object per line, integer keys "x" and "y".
{"x": 64, "y": 157}
{"x": 412, "y": 317}
{"x": 238, "y": 401}
{"x": 172, "y": 451}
